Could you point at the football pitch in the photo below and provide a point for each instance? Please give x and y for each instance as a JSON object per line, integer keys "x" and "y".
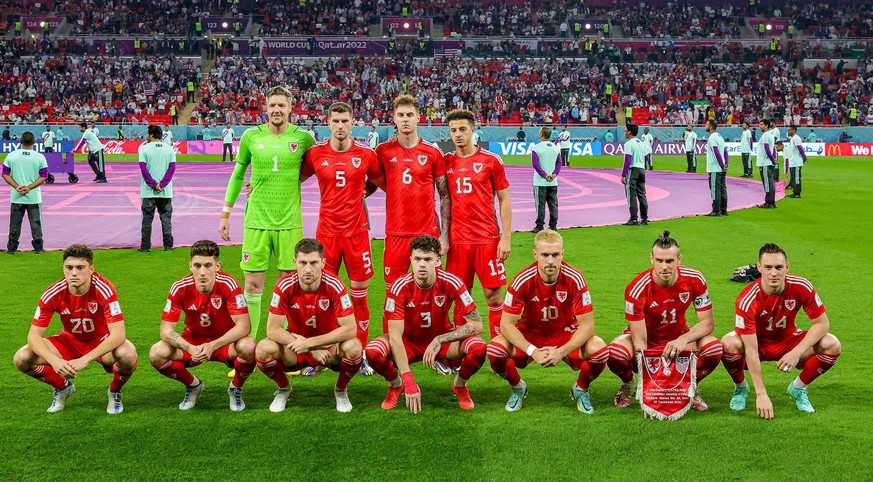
{"x": 826, "y": 235}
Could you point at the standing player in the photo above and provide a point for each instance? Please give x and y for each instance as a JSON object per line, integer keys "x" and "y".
{"x": 563, "y": 141}
{"x": 766, "y": 162}
{"x": 659, "y": 298}
{"x": 48, "y": 140}
{"x": 765, "y": 331}
{"x": 746, "y": 150}
{"x": 273, "y": 222}
{"x": 95, "y": 151}
{"x": 227, "y": 143}
{"x": 93, "y": 330}
{"x": 633, "y": 176}
{"x": 321, "y": 327}
{"x": 216, "y": 327}
{"x": 795, "y": 158}
{"x": 412, "y": 168}
{"x": 417, "y": 312}
{"x": 342, "y": 167}
{"x": 479, "y": 246}
{"x": 547, "y": 317}
{"x": 649, "y": 142}
{"x": 716, "y": 168}
{"x": 373, "y": 138}
{"x": 690, "y": 153}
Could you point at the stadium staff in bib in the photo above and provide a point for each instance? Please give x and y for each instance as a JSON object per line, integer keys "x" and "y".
{"x": 227, "y": 143}
{"x": 24, "y": 170}
{"x": 157, "y": 163}
{"x": 633, "y": 176}
{"x": 716, "y": 168}
{"x": 746, "y": 150}
{"x": 273, "y": 222}
{"x": 48, "y": 140}
{"x": 563, "y": 141}
{"x": 690, "y": 143}
{"x": 95, "y": 151}
{"x": 766, "y": 162}
{"x": 795, "y": 158}
{"x": 546, "y": 160}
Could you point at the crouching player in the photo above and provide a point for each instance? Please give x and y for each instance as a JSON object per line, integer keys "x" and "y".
{"x": 93, "y": 330}
{"x": 216, "y": 327}
{"x": 547, "y": 317}
{"x": 659, "y": 298}
{"x": 321, "y": 327}
{"x": 765, "y": 331}
{"x": 417, "y": 312}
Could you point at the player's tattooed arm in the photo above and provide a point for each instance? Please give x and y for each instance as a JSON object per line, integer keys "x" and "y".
{"x": 175, "y": 340}
{"x": 442, "y": 185}
{"x": 463, "y": 331}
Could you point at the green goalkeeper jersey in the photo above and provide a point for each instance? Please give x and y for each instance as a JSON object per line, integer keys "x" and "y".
{"x": 275, "y": 159}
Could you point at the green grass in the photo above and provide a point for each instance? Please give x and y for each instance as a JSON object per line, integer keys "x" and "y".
{"x": 548, "y": 440}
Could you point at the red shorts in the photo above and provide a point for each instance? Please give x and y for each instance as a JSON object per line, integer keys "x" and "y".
{"x": 574, "y": 359}
{"x": 220, "y": 355}
{"x": 415, "y": 352}
{"x": 354, "y": 251}
{"x": 465, "y": 260}
{"x": 396, "y": 257}
{"x": 70, "y": 348}
{"x": 775, "y": 351}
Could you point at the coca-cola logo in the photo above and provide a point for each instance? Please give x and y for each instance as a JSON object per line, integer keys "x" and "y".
{"x": 131, "y": 147}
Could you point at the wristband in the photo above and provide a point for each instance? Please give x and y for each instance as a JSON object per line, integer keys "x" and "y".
{"x": 409, "y": 385}
{"x": 226, "y": 209}
{"x": 530, "y": 350}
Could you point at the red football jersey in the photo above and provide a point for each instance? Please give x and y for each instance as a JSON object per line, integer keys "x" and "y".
{"x": 410, "y": 178}
{"x": 341, "y": 177}
{"x": 207, "y": 315}
{"x": 772, "y": 316}
{"x": 425, "y": 312}
{"x": 547, "y": 309}
{"x": 86, "y": 317}
{"x": 663, "y": 309}
{"x": 311, "y": 314}
{"x": 473, "y": 181}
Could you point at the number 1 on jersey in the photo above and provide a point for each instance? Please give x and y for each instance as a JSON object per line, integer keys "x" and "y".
{"x": 275, "y": 163}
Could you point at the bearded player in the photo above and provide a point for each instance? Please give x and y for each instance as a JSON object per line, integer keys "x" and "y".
{"x": 93, "y": 330}
{"x": 216, "y": 327}
{"x": 655, "y": 305}
{"x": 321, "y": 327}
{"x": 412, "y": 168}
{"x": 417, "y": 309}
{"x": 479, "y": 247}
{"x": 342, "y": 167}
{"x": 765, "y": 331}
{"x": 547, "y": 317}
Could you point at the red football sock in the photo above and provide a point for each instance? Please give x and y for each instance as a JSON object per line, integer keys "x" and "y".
{"x": 494, "y": 315}
{"x": 502, "y": 365}
{"x": 474, "y": 356}
{"x": 347, "y": 370}
{"x": 734, "y": 364}
{"x": 620, "y": 362}
{"x": 377, "y": 358}
{"x": 120, "y": 375}
{"x": 243, "y": 369}
{"x": 591, "y": 368}
{"x": 176, "y": 370}
{"x": 275, "y": 370}
{"x": 708, "y": 358}
{"x": 48, "y": 375}
{"x": 816, "y": 366}
{"x": 362, "y": 314}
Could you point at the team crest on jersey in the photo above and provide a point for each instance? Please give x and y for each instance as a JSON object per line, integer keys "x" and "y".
{"x": 422, "y": 160}
{"x": 477, "y": 167}
{"x": 216, "y": 303}
{"x": 356, "y": 161}
{"x": 562, "y": 296}
{"x": 246, "y": 257}
{"x": 684, "y": 297}
{"x": 92, "y": 307}
{"x": 439, "y": 300}
{"x": 790, "y": 304}
{"x": 324, "y": 304}
{"x": 293, "y": 146}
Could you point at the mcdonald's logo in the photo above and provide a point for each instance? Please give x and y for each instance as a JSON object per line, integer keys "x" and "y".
{"x": 834, "y": 150}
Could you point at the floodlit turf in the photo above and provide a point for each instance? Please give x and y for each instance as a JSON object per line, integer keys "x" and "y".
{"x": 826, "y": 235}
